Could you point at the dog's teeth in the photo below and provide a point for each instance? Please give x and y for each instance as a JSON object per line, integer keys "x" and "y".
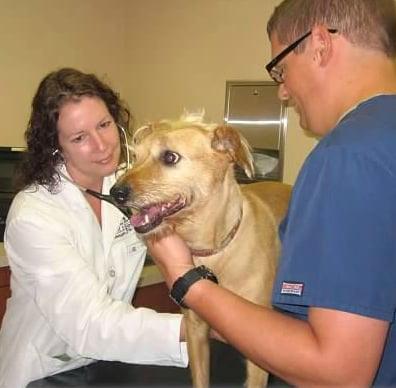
{"x": 146, "y": 219}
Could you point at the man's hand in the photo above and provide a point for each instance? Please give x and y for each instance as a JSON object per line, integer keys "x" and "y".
{"x": 172, "y": 256}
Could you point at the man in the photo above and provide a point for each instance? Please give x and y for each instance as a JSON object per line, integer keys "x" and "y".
{"x": 335, "y": 291}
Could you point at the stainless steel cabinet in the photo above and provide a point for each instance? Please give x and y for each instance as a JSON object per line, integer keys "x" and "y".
{"x": 253, "y": 107}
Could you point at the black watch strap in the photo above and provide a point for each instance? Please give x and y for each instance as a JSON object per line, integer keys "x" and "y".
{"x": 183, "y": 283}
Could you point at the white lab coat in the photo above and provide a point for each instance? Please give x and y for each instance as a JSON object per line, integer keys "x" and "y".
{"x": 72, "y": 283}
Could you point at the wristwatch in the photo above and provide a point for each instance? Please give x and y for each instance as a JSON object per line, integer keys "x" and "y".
{"x": 183, "y": 283}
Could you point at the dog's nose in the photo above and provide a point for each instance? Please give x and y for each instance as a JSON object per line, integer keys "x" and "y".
{"x": 120, "y": 193}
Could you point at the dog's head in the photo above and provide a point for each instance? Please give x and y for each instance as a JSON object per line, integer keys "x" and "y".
{"x": 177, "y": 168}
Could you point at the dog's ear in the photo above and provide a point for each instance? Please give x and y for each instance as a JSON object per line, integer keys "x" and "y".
{"x": 232, "y": 143}
{"x": 141, "y": 133}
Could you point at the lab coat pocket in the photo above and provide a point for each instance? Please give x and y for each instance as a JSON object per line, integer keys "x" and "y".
{"x": 127, "y": 260}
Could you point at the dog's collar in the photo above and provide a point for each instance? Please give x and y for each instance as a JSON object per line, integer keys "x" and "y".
{"x": 224, "y": 243}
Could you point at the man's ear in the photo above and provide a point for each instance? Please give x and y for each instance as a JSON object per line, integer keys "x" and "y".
{"x": 230, "y": 142}
{"x": 322, "y": 44}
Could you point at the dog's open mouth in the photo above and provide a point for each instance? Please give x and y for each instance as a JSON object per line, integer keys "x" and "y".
{"x": 151, "y": 216}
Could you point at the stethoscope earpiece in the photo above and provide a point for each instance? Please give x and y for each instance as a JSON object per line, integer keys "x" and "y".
{"x": 123, "y": 131}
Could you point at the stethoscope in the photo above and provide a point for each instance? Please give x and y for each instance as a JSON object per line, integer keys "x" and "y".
{"x": 106, "y": 197}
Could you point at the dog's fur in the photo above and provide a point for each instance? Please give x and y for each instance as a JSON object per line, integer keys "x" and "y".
{"x": 199, "y": 184}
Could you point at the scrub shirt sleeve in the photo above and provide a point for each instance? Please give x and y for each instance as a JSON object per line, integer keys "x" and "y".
{"x": 338, "y": 248}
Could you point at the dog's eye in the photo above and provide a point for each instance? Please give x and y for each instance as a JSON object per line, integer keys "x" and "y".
{"x": 170, "y": 157}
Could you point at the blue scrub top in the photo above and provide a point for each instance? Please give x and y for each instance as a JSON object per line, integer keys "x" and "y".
{"x": 339, "y": 236}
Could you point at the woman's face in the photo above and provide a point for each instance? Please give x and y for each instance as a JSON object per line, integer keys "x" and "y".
{"x": 89, "y": 141}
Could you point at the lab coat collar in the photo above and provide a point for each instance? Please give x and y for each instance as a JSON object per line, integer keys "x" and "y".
{"x": 111, "y": 216}
{"x": 70, "y": 191}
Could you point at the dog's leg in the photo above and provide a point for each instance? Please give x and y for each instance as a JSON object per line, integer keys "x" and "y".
{"x": 256, "y": 377}
{"x": 198, "y": 349}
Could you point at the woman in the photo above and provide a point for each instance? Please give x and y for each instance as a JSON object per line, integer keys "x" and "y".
{"x": 75, "y": 261}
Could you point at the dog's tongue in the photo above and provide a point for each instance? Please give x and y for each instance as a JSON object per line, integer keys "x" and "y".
{"x": 151, "y": 216}
{"x": 146, "y": 216}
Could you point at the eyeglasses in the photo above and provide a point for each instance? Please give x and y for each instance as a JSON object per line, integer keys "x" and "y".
{"x": 276, "y": 73}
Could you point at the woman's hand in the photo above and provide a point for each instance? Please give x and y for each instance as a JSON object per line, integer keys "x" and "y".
{"x": 172, "y": 256}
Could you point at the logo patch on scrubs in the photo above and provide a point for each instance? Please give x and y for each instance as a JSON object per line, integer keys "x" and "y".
{"x": 292, "y": 288}
{"x": 124, "y": 228}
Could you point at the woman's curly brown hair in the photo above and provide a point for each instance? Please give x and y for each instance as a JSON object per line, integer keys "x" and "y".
{"x": 38, "y": 166}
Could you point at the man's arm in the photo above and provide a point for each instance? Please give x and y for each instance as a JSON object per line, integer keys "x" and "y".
{"x": 331, "y": 348}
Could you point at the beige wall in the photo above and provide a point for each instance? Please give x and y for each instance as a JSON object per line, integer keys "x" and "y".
{"x": 182, "y": 52}
{"x": 37, "y": 36}
{"x": 161, "y": 55}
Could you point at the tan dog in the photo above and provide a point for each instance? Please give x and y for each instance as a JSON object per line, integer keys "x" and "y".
{"x": 183, "y": 179}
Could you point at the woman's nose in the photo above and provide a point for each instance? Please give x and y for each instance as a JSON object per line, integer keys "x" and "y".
{"x": 98, "y": 142}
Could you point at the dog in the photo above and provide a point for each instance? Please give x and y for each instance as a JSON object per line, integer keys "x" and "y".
{"x": 183, "y": 180}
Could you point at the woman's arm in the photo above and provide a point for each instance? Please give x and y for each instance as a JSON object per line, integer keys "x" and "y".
{"x": 72, "y": 293}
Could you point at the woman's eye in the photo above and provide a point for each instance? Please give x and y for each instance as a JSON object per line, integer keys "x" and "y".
{"x": 170, "y": 157}
{"x": 78, "y": 139}
{"x": 105, "y": 124}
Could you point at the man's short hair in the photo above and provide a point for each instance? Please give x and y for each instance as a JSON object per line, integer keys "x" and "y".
{"x": 366, "y": 23}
